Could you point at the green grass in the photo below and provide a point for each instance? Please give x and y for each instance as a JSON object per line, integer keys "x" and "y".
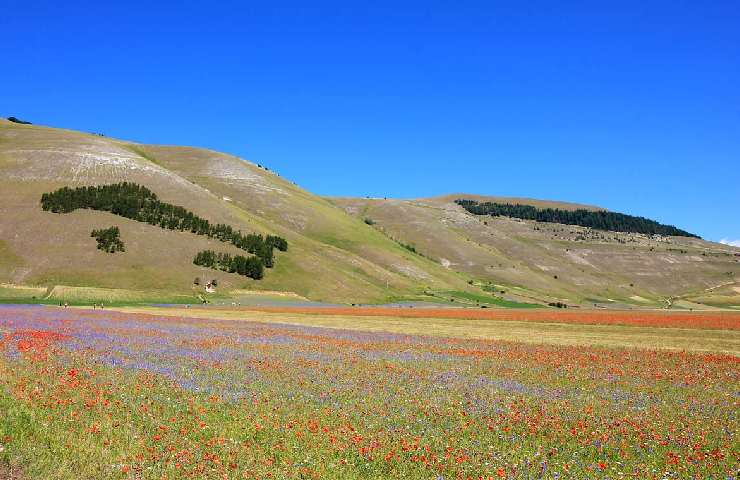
{"x": 716, "y": 300}
{"x": 89, "y": 302}
{"x": 85, "y": 296}
{"x": 16, "y": 294}
{"x": 486, "y": 300}
{"x": 8, "y": 258}
{"x": 142, "y": 153}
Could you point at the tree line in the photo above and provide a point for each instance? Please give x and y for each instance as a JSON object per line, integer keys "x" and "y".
{"x": 137, "y": 202}
{"x": 248, "y": 266}
{"x": 599, "y": 219}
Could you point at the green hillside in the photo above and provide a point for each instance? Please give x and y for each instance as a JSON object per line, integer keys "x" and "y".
{"x": 332, "y": 257}
{"x": 340, "y": 250}
{"x": 550, "y": 262}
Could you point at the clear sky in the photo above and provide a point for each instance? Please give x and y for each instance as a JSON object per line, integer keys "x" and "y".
{"x": 630, "y": 105}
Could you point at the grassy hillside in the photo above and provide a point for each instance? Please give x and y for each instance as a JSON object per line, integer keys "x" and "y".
{"x": 332, "y": 256}
{"x": 553, "y": 262}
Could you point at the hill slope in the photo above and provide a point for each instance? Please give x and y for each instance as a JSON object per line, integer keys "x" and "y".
{"x": 556, "y": 262}
{"x": 332, "y": 256}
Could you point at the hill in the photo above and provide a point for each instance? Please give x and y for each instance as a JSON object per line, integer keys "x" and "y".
{"x": 340, "y": 250}
{"x": 332, "y": 256}
{"x": 554, "y": 262}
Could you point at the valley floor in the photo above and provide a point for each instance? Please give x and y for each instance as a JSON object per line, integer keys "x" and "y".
{"x": 704, "y": 331}
{"x": 305, "y": 392}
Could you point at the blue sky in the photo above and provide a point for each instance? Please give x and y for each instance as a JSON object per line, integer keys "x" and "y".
{"x": 631, "y": 105}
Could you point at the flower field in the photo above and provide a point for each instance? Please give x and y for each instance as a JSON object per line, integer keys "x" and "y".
{"x": 102, "y": 394}
{"x": 722, "y": 320}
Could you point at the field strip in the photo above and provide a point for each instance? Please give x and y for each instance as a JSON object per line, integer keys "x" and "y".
{"x": 614, "y": 336}
{"x": 722, "y": 320}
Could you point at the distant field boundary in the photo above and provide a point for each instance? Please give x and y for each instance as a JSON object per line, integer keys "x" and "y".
{"x": 709, "y": 340}
{"x": 700, "y": 320}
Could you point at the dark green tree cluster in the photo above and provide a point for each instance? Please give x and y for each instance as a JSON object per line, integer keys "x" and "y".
{"x": 18, "y": 120}
{"x": 277, "y": 242}
{"x": 248, "y": 266}
{"x": 599, "y": 219}
{"x": 108, "y": 239}
{"x": 137, "y": 202}
{"x": 408, "y": 247}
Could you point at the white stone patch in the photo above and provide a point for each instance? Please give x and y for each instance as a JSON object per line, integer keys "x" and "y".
{"x": 352, "y": 210}
{"x": 86, "y": 162}
{"x": 578, "y": 259}
{"x": 232, "y": 172}
{"x": 296, "y": 221}
{"x": 638, "y": 298}
{"x": 411, "y": 271}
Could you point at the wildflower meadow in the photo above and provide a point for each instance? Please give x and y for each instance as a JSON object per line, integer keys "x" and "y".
{"x": 104, "y": 394}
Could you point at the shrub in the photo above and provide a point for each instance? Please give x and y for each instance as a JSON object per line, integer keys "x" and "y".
{"x": 251, "y": 267}
{"x": 17, "y": 120}
{"x": 408, "y": 247}
{"x": 108, "y": 240}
